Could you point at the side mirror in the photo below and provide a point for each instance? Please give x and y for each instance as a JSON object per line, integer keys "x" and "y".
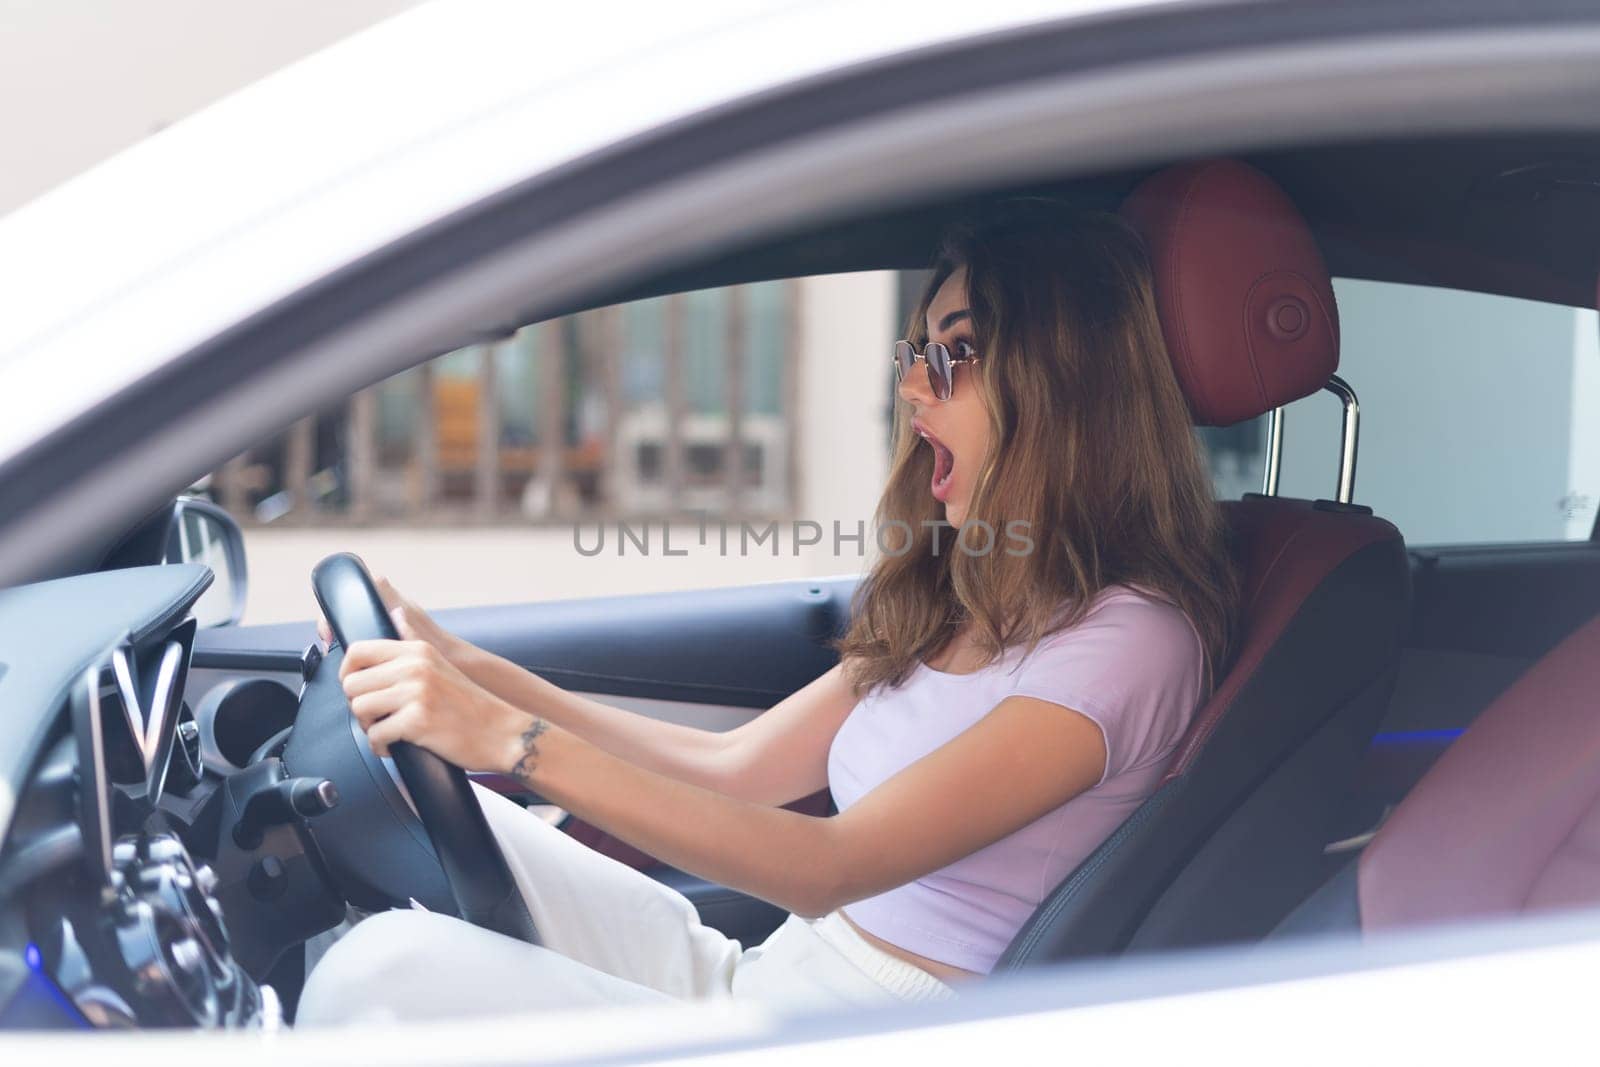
{"x": 201, "y": 532}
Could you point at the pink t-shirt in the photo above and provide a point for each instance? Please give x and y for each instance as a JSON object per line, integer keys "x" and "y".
{"x": 1134, "y": 665}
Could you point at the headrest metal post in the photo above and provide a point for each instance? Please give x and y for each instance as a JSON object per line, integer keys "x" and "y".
{"x": 1274, "y": 465}
{"x": 1348, "y": 438}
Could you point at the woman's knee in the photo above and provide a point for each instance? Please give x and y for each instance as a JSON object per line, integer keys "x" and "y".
{"x": 355, "y": 976}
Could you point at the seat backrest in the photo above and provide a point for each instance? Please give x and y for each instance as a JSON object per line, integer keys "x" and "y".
{"x": 1508, "y": 820}
{"x": 1248, "y": 313}
{"x": 1286, "y": 550}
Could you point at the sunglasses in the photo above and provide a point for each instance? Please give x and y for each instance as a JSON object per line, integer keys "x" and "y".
{"x": 941, "y": 365}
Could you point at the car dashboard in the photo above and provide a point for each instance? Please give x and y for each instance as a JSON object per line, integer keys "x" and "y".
{"x": 117, "y": 885}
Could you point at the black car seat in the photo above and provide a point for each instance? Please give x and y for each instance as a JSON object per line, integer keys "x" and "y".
{"x": 1248, "y": 312}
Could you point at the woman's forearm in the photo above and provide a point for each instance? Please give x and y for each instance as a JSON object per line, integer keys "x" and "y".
{"x": 777, "y": 855}
{"x": 699, "y": 757}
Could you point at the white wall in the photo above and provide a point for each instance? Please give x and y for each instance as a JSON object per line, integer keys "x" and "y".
{"x": 84, "y": 79}
{"x": 846, "y": 335}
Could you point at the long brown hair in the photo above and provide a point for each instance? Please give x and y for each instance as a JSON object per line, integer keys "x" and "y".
{"x": 1092, "y": 448}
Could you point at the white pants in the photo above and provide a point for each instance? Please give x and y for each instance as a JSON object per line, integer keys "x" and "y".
{"x": 611, "y": 934}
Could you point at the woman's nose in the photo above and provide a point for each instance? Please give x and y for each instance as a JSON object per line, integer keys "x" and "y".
{"x": 913, "y": 387}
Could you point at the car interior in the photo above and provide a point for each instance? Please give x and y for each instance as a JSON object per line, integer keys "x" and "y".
{"x": 1401, "y": 738}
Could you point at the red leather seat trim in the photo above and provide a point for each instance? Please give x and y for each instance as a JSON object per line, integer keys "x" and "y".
{"x": 1284, "y": 549}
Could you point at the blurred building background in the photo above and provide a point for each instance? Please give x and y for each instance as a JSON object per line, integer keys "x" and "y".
{"x": 484, "y": 475}
{"x": 582, "y": 456}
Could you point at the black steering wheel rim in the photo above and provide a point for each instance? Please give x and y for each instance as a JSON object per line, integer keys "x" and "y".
{"x": 481, "y": 882}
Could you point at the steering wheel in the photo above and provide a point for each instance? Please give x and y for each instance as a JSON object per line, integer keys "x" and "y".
{"x": 370, "y": 840}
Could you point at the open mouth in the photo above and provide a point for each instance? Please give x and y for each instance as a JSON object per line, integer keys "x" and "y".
{"x": 944, "y": 462}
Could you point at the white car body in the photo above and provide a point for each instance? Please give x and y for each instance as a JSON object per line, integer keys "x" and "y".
{"x": 131, "y": 266}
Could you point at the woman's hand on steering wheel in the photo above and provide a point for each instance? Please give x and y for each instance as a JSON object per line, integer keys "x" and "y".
{"x": 408, "y": 617}
{"x": 408, "y": 690}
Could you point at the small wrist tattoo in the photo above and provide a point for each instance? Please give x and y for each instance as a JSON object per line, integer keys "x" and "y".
{"x": 528, "y": 743}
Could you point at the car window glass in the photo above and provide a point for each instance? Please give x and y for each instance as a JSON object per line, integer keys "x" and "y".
{"x": 569, "y": 460}
{"x": 708, "y": 438}
{"x": 1480, "y": 417}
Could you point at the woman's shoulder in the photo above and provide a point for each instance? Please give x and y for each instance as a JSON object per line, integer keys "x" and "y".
{"x": 1133, "y": 663}
{"x": 1132, "y": 606}
{"x": 1127, "y": 622}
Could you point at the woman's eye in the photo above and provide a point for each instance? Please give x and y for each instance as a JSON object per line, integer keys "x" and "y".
{"x": 964, "y": 350}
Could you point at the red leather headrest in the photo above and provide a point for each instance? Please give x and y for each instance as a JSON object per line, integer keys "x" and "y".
{"x": 1244, "y": 297}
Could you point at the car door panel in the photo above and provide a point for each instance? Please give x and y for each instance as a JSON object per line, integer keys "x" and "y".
{"x": 1481, "y": 616}
{"x": 1518, "y": 600}
{"x": 746, "y": 646}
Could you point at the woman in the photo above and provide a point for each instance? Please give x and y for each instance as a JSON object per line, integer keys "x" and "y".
{"x": 1019, "y": 666}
